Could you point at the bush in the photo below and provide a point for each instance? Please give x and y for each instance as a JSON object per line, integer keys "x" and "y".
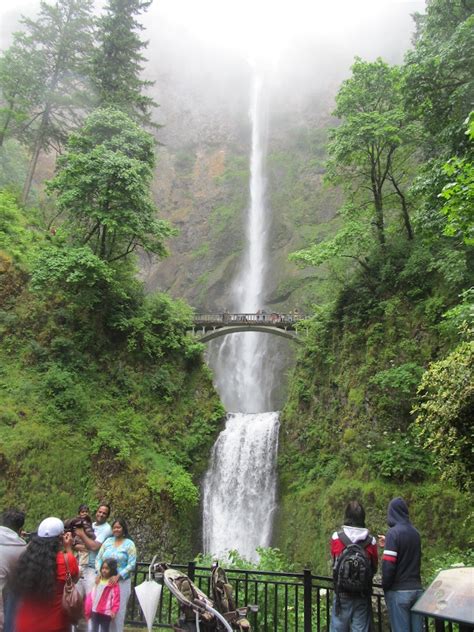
{"x": 75, "y": 272}
{"x": 403, "y": 378}
{"x": 445, "y": 413}
{"x": 159, "y": 327}
{"x": 400, "y": 459}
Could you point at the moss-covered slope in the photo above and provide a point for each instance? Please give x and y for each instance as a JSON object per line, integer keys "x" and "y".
{"x": 99, "y": 400}
{"x": 347, "y": 430}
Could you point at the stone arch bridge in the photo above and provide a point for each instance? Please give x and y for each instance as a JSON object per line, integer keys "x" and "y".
{"x": 209, "y": 326}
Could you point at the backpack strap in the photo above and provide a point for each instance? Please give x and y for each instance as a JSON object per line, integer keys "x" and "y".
{"x": 344, "y": 538}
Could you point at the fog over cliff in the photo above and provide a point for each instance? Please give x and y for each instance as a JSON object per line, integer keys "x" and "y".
{"x": 196, "y": 76}
{"x": 200, "y": 56}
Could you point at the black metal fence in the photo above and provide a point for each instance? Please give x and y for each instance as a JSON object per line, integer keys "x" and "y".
{"x": 287, "y": 602}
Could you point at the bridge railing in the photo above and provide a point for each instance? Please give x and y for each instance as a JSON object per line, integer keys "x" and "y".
{"x": 260, "y": 318}
{"x": 286, "y": 602}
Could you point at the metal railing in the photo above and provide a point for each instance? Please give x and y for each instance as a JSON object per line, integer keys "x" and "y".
{"x": 287, "y": 602}
{"x": 262, "y": 318}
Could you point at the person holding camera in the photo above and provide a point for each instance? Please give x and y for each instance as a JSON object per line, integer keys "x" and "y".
{"x": 40, "y": 576}
{"x": 82, "y": 522}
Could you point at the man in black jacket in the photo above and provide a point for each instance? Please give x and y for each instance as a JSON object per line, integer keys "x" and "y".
{"x": 401, "y": 563}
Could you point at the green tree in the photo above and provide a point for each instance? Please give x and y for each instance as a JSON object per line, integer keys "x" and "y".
{"x": 439, "y": 77}
{"x": 458, "y": 194}
{"x": 103, "y": 186}
{"x": 372, "y": 157}
{"x": 21, "y": 84}
{"x": 365, "y": 149}
{"x": 58, "y": 42}
{"x": 117, "y": 62}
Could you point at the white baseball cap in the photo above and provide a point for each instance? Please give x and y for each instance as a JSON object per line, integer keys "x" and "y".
{"x": 50, "y": 528}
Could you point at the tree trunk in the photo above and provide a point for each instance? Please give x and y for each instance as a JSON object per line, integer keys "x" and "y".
{"x": 31, "y": 172}
{"x": 379, "y": 220}
{"x": 405, "y": 214}
{"x": 6, "y": 124}
{"x": 36, "y": 152}
{"x": 376, "y": 187}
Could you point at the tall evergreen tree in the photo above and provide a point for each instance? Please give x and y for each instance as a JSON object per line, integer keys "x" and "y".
{"x": 58, "y": 42}
{"x": 118, "y": 62}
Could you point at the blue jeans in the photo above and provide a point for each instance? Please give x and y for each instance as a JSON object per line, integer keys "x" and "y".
{"x": 399, "y": 603}
{"x": 10, "y": 605}
{"x": 355, "y": 614}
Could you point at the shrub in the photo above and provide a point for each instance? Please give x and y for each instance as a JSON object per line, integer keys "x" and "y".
{"x": 400, "y": 459}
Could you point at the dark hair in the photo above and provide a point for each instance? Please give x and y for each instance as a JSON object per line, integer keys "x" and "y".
{"x": 13, "y": 519}
{"x": 35, "y": 572}
{"x": 354, "y": 515}
{"x": 123, "y": 524}
{"x": 111, "y": 563}
{"x": 104, "y": 505}
{"x": 83, "y": 507}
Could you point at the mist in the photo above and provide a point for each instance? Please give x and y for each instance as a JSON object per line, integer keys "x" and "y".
{"x": 200, "y": 53}
{"x": 201, "y": 74}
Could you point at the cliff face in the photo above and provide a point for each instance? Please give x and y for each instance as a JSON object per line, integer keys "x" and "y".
{"x": 202, "y": 187}
{"x": 202, "y": 174}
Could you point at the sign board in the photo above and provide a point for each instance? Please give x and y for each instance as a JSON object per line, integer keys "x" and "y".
{"x": 450, "y": 596}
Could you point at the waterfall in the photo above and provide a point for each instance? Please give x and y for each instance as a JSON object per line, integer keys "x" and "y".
{"x": 240, "y": 485}
{"x": 239, "y": 489}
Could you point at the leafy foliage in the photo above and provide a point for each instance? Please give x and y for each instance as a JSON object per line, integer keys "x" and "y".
{"x": 399, "y": 459}
{"x": 403, "y": 378}
{"x": 158, "y": 328}
{"x": 76, "y": 272}
{"x": 103, "y": 184}
{"x": 15, "y": 236}
{"x": 458, "y": 195}
{"x": 445, "y": 413}
{"x": 91, "y": 366}
{"x": 439, "y": 82}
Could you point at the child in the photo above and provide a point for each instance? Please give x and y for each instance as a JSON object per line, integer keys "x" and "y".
{"x": 103, "y": 603}
{"x": 84, "y": 521}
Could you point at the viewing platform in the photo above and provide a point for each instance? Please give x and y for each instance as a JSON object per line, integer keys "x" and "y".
{"x": 214, "y": 325}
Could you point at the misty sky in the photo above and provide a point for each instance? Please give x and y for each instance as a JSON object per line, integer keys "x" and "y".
{"x": 200, "y": 51}
{"x": 261, "y": 28}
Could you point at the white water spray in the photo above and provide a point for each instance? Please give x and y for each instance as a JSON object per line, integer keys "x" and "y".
{"x": 240, "y": 485}
{"x": 239, "y": 490}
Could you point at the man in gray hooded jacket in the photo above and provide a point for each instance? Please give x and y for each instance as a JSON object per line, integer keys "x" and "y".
{"x": 11, "y": 547}
{"x": 401, "y": 563}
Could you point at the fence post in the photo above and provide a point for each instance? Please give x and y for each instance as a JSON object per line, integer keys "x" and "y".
{"x": 191, "y": 570}
{"x": 308, "y": 594}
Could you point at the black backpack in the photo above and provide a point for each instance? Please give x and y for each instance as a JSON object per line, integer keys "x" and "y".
{"x": 353, "y": 573}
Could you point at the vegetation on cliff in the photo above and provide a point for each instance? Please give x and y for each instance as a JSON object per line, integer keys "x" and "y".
{"x": 103, "y": 394}
{"x": 381, "y": 401}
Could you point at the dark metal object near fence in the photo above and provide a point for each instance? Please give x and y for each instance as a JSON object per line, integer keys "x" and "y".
{"x": 287, "y": 602}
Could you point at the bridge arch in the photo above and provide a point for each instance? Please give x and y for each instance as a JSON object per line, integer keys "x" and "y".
{"x": 233, "y": 329}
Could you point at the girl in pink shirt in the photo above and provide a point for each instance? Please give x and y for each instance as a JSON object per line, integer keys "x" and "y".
{"x": 103, "y": 603}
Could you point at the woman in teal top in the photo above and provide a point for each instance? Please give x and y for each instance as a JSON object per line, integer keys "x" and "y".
{"x": 122, "y": 549}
